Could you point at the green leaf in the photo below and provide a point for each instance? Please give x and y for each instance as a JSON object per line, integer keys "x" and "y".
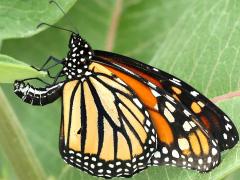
{"x": 15, "y": 145}
{"x": 196, "y": 40}
{"x": 20, "y": 18}
{"x": 6, "y": 171}
{"x": 11, "y": 69}
{"x": 203, "y": 47}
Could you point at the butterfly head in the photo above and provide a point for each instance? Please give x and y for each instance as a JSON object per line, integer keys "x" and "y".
{"x": 79, "y": 56}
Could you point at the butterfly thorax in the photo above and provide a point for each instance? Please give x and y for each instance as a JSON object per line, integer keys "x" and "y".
{"x": 78, "y": 59}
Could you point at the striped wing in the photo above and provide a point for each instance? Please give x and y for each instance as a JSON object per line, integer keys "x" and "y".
{"x": 105, "y": 129}
{"x": 182, "y": 139}
{"x": 211, "y": 117}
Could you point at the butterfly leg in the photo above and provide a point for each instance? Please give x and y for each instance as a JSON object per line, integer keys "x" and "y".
{"x": 36, "y": 79}
{"x": 43, "y": 68}
{"x": 50, "y": 58}
{"x": 60, "y": 74}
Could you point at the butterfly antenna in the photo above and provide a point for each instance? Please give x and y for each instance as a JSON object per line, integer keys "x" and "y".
{"x": 53, "y": 26}
{"x": 61, "y": 9}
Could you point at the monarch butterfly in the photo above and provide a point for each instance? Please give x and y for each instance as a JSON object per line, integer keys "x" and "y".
{"x": 120, "y": 116}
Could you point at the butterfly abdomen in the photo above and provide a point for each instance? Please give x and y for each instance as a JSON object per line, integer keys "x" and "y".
{"x": 37, "y": 96}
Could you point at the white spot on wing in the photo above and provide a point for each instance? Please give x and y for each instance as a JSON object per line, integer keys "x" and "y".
{"x": 228, "y": 127}
{"x": 200, "y": 103}
{"x": 170, "y": 98}
{"x": 155, "y": 69}
{"x": 194, "y": 93}
{"x": 169, "y": 115}
{"x": 166, "y": 159}
{"x": 209, "y": 159}
{"x": 183, "y": 143}
{"x": 139, "y": 104}
{"x": 148, "y": 123}
{"x": 175, "y": 153}
{"x": 99, "y": 164}
{"x": 164, "y": 150}
{"x": 175, "y": 81}
{"x": 152, "y": 85}
{"x": 186, "y": 126}
{"x": 190, "y": 159}
{"x": 224, "y": 135}
{"x": 87, "y": 73}
{"x": 170, "y": 107}
{"x": 214, "y": 151}
{"x": 155, "y": 93}
{"x": 226, "y": 118}
{"x": 187, "y": 113}
{"x": 192, "y": 124}
{"x": 157, "y": 154}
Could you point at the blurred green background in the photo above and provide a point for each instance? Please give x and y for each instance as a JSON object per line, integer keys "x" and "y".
{"x": 198, "y": 41}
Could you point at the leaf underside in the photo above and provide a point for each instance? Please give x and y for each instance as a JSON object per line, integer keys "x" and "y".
{"x": 12, "y": 69}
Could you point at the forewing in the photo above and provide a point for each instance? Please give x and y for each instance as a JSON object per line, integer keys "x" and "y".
{"x": 211, "y": 117}
{"x": 181, "y": 139}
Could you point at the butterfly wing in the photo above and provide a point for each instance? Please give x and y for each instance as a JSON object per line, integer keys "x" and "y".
{"x": 211, "y": 117}
{"x": 180, "y": 137}
{"x": 105, "y": 129}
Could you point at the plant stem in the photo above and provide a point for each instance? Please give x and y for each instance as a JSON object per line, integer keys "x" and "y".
{"x": 15, "y": 145}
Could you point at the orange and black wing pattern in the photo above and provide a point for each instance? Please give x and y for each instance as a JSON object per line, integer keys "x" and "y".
{"x": 211, "y": 117}
{"x": 184, "y": 139}
{"x": 105, "y": 129}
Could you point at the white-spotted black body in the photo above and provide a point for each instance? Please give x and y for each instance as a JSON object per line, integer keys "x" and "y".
{"x": 78, "y": 59}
